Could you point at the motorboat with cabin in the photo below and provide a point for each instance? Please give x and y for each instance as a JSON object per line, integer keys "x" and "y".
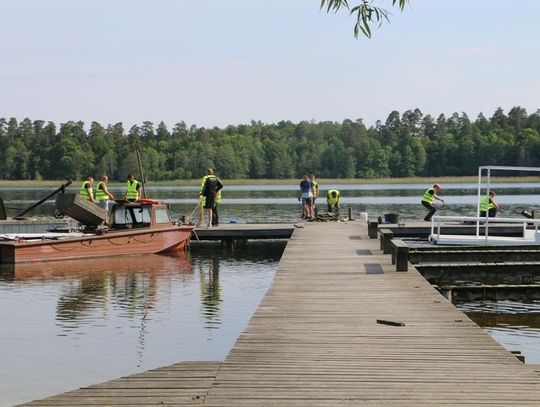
{"x": 129, "y": 228}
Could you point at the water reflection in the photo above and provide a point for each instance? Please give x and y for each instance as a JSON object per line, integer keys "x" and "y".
{"x": 211, "y": 292}
{"x": 128, "y": 284}
{"x": 74, "y": 323}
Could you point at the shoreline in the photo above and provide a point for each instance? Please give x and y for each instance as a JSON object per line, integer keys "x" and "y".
{"x": 408, "y": 180}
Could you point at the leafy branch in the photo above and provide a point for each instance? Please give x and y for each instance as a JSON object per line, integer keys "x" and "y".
{"x": 366, "y": 13}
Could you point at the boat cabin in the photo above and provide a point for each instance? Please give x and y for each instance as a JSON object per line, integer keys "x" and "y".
{"x": 139, "y": 214}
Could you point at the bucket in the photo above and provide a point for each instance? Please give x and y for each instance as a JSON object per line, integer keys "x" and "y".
{"x": 363, "y": 216}
{"x": 391, "y": 217}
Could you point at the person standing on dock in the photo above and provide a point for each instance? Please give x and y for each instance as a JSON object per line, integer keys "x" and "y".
{"x": 103, "y": 196}
{"x": 133, "y": 189}
{"x": 489, "y": 205}
{"x": 86, "y": 189}
{"x": 332, "y": 200}
{"x": 429, "y": 197}
{"x": 210, "y": 186}
{"x": 305, "y": 195}
{"x": 315, "y": 189}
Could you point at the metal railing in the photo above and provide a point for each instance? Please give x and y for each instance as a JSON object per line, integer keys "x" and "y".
{"x": 483, "y": 221}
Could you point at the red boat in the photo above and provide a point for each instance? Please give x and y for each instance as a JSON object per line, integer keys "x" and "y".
{"x": 140, "y": 227}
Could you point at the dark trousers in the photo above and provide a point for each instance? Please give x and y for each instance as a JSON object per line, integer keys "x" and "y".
{"x": 431, "y": 208}
{"x": 333, "y": 208}
{"x": 492, "y": 212}
{"x": 215, "y": 217}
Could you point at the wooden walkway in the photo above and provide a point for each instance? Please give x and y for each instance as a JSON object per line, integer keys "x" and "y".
{"x": 340, "y": 327}
{"x": 315, "y": 339}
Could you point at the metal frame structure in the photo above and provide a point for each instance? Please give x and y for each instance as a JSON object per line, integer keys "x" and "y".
{"x": 485, "y": 220}
{"x": 488, "y": 169}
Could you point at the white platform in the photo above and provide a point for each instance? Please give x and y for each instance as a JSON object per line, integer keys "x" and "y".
{"x": 529, "y": 236}
{"x": 465, "y": 240}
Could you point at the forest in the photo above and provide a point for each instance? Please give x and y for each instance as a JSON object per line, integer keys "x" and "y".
{"x": 404, "y": 145}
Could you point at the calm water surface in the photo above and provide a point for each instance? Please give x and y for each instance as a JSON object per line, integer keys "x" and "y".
{"x": 73, "y": 324}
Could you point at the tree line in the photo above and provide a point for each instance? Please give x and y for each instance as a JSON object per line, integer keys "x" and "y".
{"x": 405, "y": 145}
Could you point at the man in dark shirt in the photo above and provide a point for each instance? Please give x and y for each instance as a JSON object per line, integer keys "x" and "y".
{"x": 305, "y": 195}
{"x": 211, "y": 186}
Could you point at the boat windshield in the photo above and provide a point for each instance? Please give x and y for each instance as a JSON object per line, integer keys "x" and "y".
{"x": 125, "y": 216}
{"x": 162, "y": 216}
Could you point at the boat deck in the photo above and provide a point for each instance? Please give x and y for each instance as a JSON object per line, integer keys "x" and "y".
{"x": 339, "y": 326}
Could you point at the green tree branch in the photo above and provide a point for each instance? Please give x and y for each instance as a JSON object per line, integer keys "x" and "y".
{"x": 366, "y": 13}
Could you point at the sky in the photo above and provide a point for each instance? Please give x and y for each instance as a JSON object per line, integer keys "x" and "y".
{"x": 218, "y": 63}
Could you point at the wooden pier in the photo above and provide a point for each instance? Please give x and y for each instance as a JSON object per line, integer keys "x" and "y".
{"x": 341, "y": 327}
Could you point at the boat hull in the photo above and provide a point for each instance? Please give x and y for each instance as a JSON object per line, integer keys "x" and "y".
{"x": 113, "y": 243}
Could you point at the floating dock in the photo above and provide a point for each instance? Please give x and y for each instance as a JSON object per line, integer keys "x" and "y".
{"x": 244, "y": 231}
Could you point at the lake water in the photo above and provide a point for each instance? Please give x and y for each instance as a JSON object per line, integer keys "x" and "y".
{"x": 73, "y": 324}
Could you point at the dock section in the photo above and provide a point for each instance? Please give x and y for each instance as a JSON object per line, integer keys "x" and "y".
{"x": 339, "y": 326}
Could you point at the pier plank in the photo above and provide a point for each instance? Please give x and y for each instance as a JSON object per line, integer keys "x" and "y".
{"x": 182, "y": 384}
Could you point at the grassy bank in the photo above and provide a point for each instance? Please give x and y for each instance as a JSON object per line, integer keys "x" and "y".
{"x": 411, "y": 180}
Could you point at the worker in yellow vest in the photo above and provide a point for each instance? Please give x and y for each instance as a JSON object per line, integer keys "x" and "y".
{"x": 488, "y": 206}
{"x": 208, "y": 197}
{"x": 332, "y": 200}
{"x": 429, "y": 197}
{"x": 133, "y": 189}
{"x": 315, "y": 192}
{"x": 103, "y": 196}
{"x": 86, "y": 189}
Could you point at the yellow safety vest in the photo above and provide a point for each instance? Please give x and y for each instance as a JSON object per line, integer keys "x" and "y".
{"x": 315, "y": 188}
{"x": 485, "y": 204}
{"x": 83, "y": 192}
{"x": 203, "y": 181}
{"x": 331, "y": 199}
{"x": 428, "y": 197}
{"x": 132, "y": 190}
{"x": 100, "y": 193}
{"x": 202, "y": 198}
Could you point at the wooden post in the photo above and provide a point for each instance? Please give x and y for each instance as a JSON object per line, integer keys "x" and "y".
{"x": 386, "y": 236}
{"x": 400, "y": 254}
{"x": 372, "y": 229}
{"x": 143, "y": 181}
